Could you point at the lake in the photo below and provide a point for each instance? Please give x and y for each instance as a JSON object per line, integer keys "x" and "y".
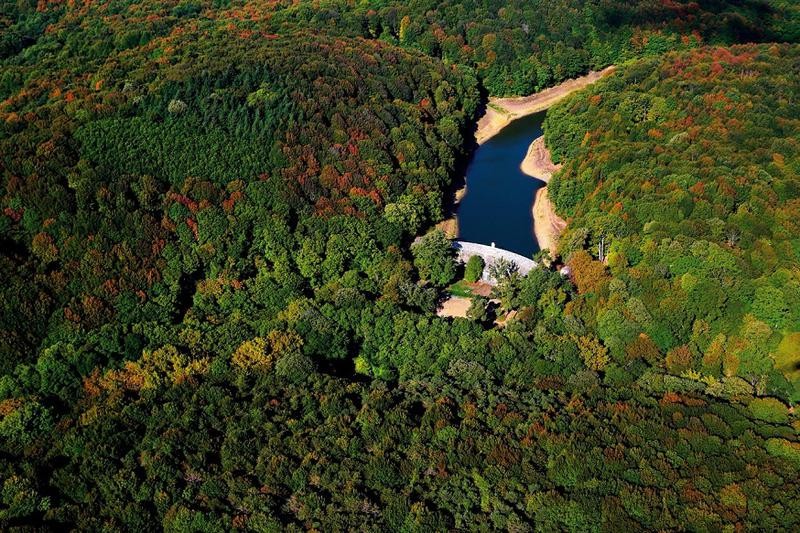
{"x": 497, "y": 206}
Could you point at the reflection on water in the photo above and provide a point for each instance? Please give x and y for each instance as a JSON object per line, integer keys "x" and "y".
{"x": 497, "y": 207}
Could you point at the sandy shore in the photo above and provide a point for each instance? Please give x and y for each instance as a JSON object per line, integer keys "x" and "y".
{"x": 501, "y": 111}
{"x": 449, "y": 226}
{"x": 547, "y": 225}
{"x": 538, "y": 163}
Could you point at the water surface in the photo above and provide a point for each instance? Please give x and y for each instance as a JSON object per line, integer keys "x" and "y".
{"x": 497, "y": 206}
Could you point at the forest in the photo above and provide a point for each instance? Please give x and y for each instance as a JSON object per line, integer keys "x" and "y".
{"x": 686, "y": 168}
{"x": 217, "y": 313}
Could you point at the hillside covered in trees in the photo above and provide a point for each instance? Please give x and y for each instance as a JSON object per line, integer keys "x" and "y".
{"x": 687, "y": 169}
{"x": 213, "y": 317}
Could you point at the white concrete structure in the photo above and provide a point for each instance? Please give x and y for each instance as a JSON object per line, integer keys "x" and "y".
{"x": 490, "y": 254}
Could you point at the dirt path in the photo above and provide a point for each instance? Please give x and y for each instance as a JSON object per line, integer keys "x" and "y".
{"x": 501, "y": 111}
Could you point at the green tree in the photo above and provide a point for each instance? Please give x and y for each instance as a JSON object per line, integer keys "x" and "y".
{"x": 501, "y": 269}
{"x": 474, "y": 269}
{"x": 593, "y": 353}
{"x": 479, "y": 309}
{"x": 25, "y": 425}
{"x": 20, "y": 499}
{"x": 769, "y": 410}
{"x": 406, "y": 213}
{"x": 770, "y": 306}
{"x": 434, "y": 258}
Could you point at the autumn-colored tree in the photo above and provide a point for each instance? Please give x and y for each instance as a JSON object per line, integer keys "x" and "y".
{"x": 679, "y": 359}
{"x": 588, "y": 274}
{"x": 594, "y": 354}
{"x": 643, "y": 347}
{"x": 44, "y": 247}
{"x": 253, "y": 354}
{"x": 713, "y": 355}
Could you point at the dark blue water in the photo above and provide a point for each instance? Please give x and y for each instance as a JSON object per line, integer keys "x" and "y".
{"x": 497, "y": 206}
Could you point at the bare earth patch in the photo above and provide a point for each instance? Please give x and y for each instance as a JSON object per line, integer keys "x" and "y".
{"x": 449, "y": 227}
{"x": 455, "y": 306}
{"x": 503, "y": 320}
{"x": 481, "y": 288}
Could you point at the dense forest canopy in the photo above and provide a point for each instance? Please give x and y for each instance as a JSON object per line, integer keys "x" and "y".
{"x": 213, "y": 316}
{"x": 688, "y": 169}
{"x": 516, "y": 46}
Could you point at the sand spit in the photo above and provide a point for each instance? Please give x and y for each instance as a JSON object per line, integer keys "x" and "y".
{"x": 538, "y": 163}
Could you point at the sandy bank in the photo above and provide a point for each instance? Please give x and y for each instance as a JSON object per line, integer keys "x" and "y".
{"x": 501, "y": 111}
{"x": 547, "y": 225}
{"x": 449, "y": 226}
{"x": 538, "y": 163}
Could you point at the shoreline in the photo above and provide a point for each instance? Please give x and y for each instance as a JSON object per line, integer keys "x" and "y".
{"x": 547, "y": 225}
{"x": 449, "y": 226}
{"x": 538, "y": 163}
{"x": 500, "y": 112}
